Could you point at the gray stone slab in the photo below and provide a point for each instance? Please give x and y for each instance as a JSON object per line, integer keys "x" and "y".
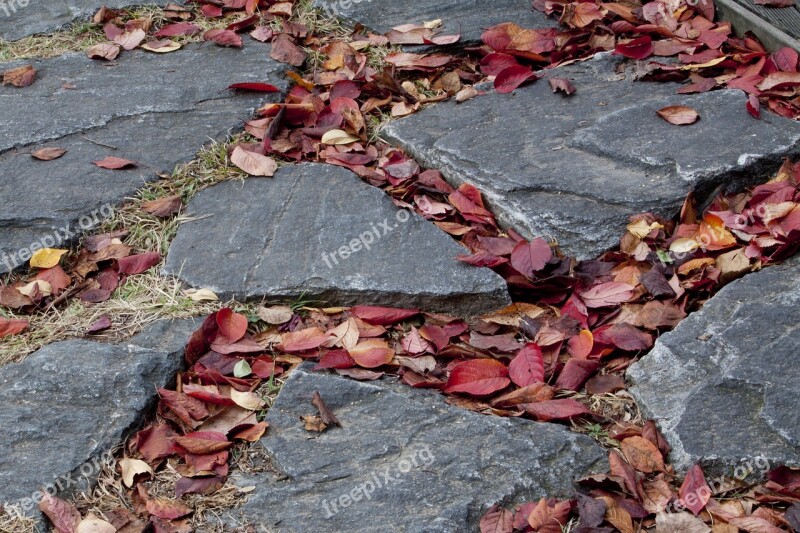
{"x": 724, "y": 385}
{"x": 276, "y": 237}
{"x": 445, "y": 465}
{"x": 21, "y": 18}
{"x": 156, "y": 109}
{"x": 469, "y": 18}
{"x": 67, "y": 404}
{"x": 577, "y": 167}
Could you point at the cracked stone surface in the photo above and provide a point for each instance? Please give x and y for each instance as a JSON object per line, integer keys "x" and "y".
{"x": 577, "y": 167}
{"x": 469, "y": 18}
{"x": 446, "y": 465}
{"x": 70, "y": 402}
{"x": 41, "y": 16}
{"x": 158, "y": 125}
{"x": 283, "y": 237}
{"x": 724, "y": 384}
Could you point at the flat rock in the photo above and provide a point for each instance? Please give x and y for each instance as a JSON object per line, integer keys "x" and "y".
{"x": 575, "y": 168}
{"x": 112, "y": 111}
{"x": 468, "y": 18}
{"x": 70, "y": 402}
{"x": 320, "y": 232}
{"x": 20, "y": 18}
{"x": 724, "y": 384}
{"x": 425, "y": 465}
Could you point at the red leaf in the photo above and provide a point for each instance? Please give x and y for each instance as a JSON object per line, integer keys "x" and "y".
{"x": 695, "y": 492}
{"x": 495, "y": 63}
{"x": 12, "y": 327}
{"x": 497, "y": 520}
{"x": 786, "y": 59}
{"x": 20, "y": 76}
{"x": 556, "y": 409}
{"x": 223, "y": 38}
{"x": 512, "y": 77}
{"x": 527, "y": 367}
{"x": 115, "y": 163}
{"x": 371, "y": 353}
{"x": 753, "y": 106}
{"x": 478, "y": 377}
{"x": 530, "y": 257}
{"x": 575, "y": 374}
{"x": 285, "y": 51}
{"x": 382, "y": 316}
{"x": 64, "y": 516}
{"x": 637, "y": 48}
{"x": 179, "y": 28}
{"x": 136, "y": 264}
{"x": 101, "y": 324}
{"x": 203, "y": 442}
{"x": 211, "y": 11}
{"x": 255, "y": 87}
{"x": 304, "y": 339}
{"x": 232, "y": 326}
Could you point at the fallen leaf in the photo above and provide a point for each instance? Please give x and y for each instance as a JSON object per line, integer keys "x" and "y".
{"x": 48, "y": 154}
{"x": 325, "y": 414}
{"x": 512, "y": 77}
{"x": 132, "y": 468}
{"x": 478, "y": 377}
{"x": 253, "y": 163}
{"x": 527, "y": 367}
{"x": 223, "y": 38}
{"x": 372, "y": 353}
{"x": 115, "y": 163}
{"x": 680, "y": 115}
{"x": 20, "y": 76}
{"x": 695, "y": 492}
{"x": 335, "y": 137}
{"x": 642, "y": 455}
{"x": 136, "y": 264}
{"x": 107, "y": 51}
{"x": 163, "y": 207}
{"x": 64, "y": 516}
{"x": 46, "y": 257}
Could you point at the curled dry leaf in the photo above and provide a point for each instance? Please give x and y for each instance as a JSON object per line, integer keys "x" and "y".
{"x": 680, "y": 115}
{"x": 107, "y": 51}
{"x": 325, "y": 414}
{"x": 223, "y": 38}
{"x": 201, "y": 295}
{"x": 64, "y": 516}
{"x": 115, "y": 163}
{"x": 164, "y": 46}
{"x": 48, "y": 154}
{"x": 20, "y": 76}
{"x": 253, "y": 163}
{"x": 132, "y": 468}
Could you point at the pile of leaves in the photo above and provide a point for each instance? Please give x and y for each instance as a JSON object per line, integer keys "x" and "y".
{"x": 92, "y": 274}
{"x": 679, "y": 39}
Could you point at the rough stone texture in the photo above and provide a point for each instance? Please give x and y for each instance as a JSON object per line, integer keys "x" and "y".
{"x": 577, "y": 167}
{"x": 42, "y": 16}
{"x": 465, "y": 461}
{"x": 469, "y": 18}
{"x": 275, "y": 236}
{"x": 724, "y": 384}
{"x": 70, "y": 402}
{"x": 156, "y": 124}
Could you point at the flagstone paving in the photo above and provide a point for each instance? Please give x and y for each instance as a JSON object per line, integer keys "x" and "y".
{"x": 403, "y": 460}
{"x": 724, "y": 384}
{"x": 67, "y": 404}
{"x": 575, "y": 168}
{"x": 95, "y": 110}
{"x": 320, "y": 232}
{"x": 467, "y": 18}
{"x": 21, "y": 18}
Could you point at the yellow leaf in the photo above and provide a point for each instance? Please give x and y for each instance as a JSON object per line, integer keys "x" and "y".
{"x": 684, "y": 245}
{"x": 131, "y": 468}
{"x": 338, "y": 137}
{"x": 46, "y": 257}
{"x": 253, "y": 163}
{"x": 711, "y": 63}
{"x": 642, "y": 229}
{"x": 201, "y": 295}
{"x": 92, "y": 524}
